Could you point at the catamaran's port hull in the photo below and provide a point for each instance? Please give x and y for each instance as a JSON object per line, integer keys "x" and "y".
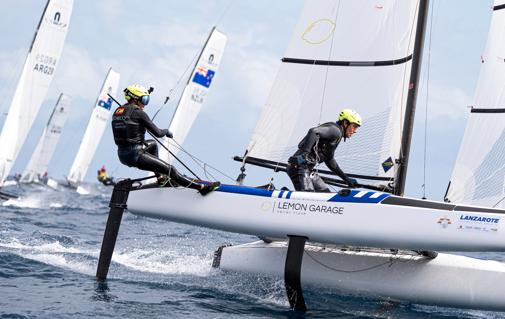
{"x": 359, "y": 218}
{"x": 447, "y": 280}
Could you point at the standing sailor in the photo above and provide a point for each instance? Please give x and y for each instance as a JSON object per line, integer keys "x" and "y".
{"x": 319, "y": 146}
{"x": 129, "y": 124}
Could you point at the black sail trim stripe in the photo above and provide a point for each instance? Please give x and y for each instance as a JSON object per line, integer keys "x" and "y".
{"x": 348, "y": 63}
{"x": 501, "y": 6}
{"x": 474, "y": 110}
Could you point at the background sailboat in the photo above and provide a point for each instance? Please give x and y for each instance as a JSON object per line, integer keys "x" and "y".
{"x": 195, "y": 92}
{"x": 39, "y": 162}
{"x": 38, "y": 71}
{"x": 94, "y": 131}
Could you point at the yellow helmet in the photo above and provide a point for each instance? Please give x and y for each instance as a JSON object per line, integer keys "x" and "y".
{"x": 137, "y": 93}
{"x": 351, "y": 116}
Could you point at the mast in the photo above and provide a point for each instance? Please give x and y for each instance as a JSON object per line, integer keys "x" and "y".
{"x": 410, "y": 110}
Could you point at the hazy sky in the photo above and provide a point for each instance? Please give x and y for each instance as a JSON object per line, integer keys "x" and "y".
{"x": 153, "y": 43}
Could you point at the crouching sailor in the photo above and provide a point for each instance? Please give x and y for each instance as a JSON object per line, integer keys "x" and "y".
{"x": 319, "y": 146}
{"x": 129, "y": 124}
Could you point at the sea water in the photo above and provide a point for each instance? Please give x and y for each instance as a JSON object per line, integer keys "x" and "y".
{"x": 49, "y": 246}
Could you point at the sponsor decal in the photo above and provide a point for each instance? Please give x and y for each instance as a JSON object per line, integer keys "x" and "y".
{"x": 56, "y": 20}
{"x": 478, "y": 223}
{"x": 387, "y": 164}
{"x": 444, "y": 221}
{"x": 44, "y": 64}
{"x": 479, "y": 219}
{"x": 297, "y": 208}
{"x": 203, "y": 76}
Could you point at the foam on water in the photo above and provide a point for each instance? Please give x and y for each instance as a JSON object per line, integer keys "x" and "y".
{"x": 164, "y": 262}
{"x": 23, "y": 202}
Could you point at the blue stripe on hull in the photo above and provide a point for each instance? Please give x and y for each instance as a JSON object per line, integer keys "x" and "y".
{"x": 366, "y": 198}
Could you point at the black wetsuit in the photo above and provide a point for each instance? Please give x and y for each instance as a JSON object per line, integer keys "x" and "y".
{"x": 316, "y": 147}
{"x": 129, "y": 124}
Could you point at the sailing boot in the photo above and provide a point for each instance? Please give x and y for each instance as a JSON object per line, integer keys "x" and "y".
{"x": 207, "y": 188}
{"x": 163, "y": 180}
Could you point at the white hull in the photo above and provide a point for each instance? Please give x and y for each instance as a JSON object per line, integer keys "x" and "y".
{"x": 361, "y": 218}
{"x": 447, "y": 280}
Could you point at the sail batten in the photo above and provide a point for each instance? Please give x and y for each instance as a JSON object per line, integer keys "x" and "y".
{"x": 348, "y": 63}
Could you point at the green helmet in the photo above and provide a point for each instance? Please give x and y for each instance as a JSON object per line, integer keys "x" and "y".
{"x": 137, "y": 93}
{"x": 351, "y": 116}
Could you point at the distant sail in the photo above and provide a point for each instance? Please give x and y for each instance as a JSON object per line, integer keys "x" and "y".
{"x": 333, "y": 62}
{"x": 196, "y": 90}
{"x": 479, "y": 171}
{"x": 94, "y": 131}
{"x": 38, "y": 71}
{"x": 44, "y": 151}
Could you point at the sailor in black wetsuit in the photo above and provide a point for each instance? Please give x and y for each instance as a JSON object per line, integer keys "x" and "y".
{"x": 129, "y": 124}
{"x": 319, "y": 146}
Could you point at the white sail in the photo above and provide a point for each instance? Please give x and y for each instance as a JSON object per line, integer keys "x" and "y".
{"x": 38, "y": 71}
{"x": 39, "y": 162}
{"x": 478, "y": 177}
{"x": 94, "y": 131}
{"x": 196, "y": 90}
{"x": 343, "y": 54}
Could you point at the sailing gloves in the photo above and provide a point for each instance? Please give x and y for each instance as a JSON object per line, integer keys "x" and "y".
{"x": 168, "y": 134}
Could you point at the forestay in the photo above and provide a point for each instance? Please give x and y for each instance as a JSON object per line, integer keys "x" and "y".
{"x": 196, "y": 90}
{"x": 479, "y": 173}
{"x": 343, "y": 54}
{"x": 38, "y": 71}
{"x": 44, "y": 151}
{"x": 95, "y": 129}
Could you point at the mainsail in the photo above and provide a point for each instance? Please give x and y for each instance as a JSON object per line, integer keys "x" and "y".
{"x": 196, "y": 90}
{"x": 478, "y": 177}
{"x": 344, "y": 54}
{"x": 39, "y": 162}
{"x": 95, "y": 129}
{"x": 38, "y": 71}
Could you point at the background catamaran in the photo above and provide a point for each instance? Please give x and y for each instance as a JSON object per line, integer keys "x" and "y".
{"x": 36, "y": 170}
{"x": 38, "y": 71}
{"x": 330, "y": 59}
{"x": 94, "y": 131}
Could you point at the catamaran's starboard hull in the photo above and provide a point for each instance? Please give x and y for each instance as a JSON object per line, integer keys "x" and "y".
{"x": 358, "y": 218}
{"x": 447, "y": 280}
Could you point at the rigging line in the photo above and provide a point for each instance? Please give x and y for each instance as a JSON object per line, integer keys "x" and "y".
{"x": 225, "y": 11}
{"x": 389, "y": 262}
{"x": 428, "y": 68}
{"x": 328, "y": 67}
{"x": 192, "y": 62}
{"x": 200, "y": 162}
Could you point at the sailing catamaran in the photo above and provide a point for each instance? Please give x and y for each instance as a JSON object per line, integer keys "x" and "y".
{"x": 330, "y": 59}
{"x": 195, "y": 92}
{"x": 38, "y": 71}
{"x": 94, "y": 131}
{"x": 36, "y": 170}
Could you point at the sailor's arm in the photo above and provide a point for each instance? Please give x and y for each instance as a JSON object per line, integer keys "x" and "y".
{"x": 150, "y": 126}
{"x": 333, "y": 166}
